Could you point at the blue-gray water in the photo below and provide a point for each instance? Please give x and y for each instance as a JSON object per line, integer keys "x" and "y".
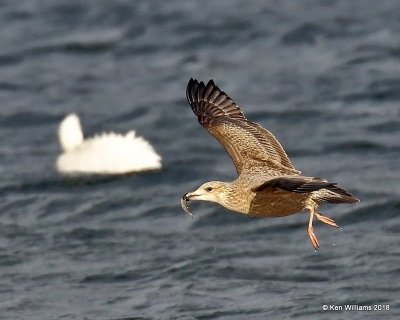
{"x": 323, "y": 76}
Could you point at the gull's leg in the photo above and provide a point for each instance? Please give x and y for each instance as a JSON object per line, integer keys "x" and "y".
{"x": 310, "y": 230}
{"x": 325, "y": 219}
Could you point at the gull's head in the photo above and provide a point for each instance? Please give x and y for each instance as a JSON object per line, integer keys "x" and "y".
{"x": 70, "y": 132}
{"x": 213, "y": 191}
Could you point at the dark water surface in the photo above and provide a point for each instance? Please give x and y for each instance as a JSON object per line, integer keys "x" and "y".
{"x": 324, "y": 76}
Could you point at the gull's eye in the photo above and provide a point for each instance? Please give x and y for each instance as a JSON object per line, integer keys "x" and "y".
{"x": 208, "y": 189}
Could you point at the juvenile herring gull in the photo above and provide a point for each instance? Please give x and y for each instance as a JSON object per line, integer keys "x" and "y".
{"x": 267, "y": 184}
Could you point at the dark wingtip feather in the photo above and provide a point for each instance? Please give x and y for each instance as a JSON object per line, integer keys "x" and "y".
{"x": 194, "y": 88}
{"x": 210, "y": 83}
{"x": 208, "y": 101}
{"x": 339, "y": 196}
{"x": 189, "y": 90}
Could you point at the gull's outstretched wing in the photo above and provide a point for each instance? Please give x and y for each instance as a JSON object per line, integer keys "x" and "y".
{"x": 250, "y": 146}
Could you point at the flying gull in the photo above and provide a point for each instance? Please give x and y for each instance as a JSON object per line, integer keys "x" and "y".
{"x": 267, "y": 184}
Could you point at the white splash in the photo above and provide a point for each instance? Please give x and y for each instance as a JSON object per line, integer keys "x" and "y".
{"x": 106, "y": 153}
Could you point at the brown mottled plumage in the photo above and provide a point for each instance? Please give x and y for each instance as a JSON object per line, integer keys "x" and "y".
{"x": 268, "y": 185}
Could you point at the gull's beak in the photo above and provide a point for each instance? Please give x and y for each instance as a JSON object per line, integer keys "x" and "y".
{"x": 188, "y": 196}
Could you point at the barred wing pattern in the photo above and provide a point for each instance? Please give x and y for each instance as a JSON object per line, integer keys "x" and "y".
{"x": 249, "y": 145}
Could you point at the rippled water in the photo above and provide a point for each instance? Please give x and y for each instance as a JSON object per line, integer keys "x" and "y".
{"x": 322, "y": 75}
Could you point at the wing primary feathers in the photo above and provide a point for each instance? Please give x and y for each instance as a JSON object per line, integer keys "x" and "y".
{"x": 209, "y": 101}
{"x": 248, "y": 144}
